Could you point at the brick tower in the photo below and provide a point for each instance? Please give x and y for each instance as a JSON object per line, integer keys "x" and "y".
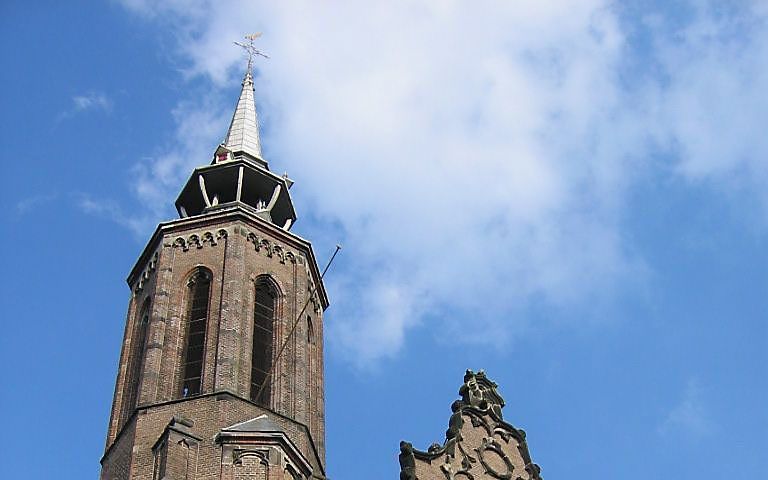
{"x": 221, "y": 368}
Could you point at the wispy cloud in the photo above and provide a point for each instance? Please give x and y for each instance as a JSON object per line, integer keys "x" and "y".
{"x": 87, "y": 102}
{"x": 109, "y": 210}
{"x": 475, "y": 158}
{"x": 200, "y": 126}
{"x": 92, "y": 101}
{"x": 26, "y": 205}
{"x": 712, "y": 95}
{"x": 689, "y": 416}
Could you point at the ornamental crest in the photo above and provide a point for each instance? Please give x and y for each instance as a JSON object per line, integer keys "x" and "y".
{"x": 478, "y": 444}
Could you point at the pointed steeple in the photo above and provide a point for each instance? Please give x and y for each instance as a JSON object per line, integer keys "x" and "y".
{"x": 243, "y": 133}
{"x": 238, "y": 176}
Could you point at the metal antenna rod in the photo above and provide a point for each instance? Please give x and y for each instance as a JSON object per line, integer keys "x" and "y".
{"x": 295, "y": 323}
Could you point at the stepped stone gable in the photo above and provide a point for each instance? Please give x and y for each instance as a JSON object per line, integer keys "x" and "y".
{"x": 479, "y": 444}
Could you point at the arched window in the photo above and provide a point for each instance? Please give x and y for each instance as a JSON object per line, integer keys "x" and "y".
{"x": 136, "y": 362}
{"x": 198, "y": 295}
{"x": 309, "y": 381}
{"x": 263, "y": 326}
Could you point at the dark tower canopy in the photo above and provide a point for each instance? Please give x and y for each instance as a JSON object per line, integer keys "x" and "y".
{"x": 238, "y": 173}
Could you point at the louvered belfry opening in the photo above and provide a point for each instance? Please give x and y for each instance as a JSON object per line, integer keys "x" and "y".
{"x": 196, "y": 326}
{"x": 263, "y": 327}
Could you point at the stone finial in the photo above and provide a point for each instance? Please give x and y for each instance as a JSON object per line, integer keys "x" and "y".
{"x": 480, "y": 392}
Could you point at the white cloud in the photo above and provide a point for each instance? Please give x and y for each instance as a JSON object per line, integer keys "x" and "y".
{"x": 86, "y": 102}
{"x": 111, "y": 211}
{"x": 714, "y": 102}
{"x": 28, "y": 204}
{"x": 690, "y": 415}
{"x": 92, "y": 101}
{"x": 474, "y": 156}
{"x": 199, "y": 129}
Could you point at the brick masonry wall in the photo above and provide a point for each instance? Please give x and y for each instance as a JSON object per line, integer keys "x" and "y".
{"x": 209, "y": 414}
{"x": 120, "y": 411}
{"x": 237, "y": 250}
{"x": 118, "y": 465}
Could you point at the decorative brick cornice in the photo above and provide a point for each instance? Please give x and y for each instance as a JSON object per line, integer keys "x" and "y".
{"x": 272, "y": 249}
{"x": 284, "y": 255}
{"x": 148, "y": 271}
{"x": 208, "y": 223}
{"x": 199, "y": 240}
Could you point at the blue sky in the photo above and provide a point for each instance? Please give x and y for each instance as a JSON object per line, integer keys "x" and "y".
{"x": 569, "y": 194}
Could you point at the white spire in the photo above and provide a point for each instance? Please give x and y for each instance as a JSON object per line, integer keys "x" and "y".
{"x": 243, "y": 133}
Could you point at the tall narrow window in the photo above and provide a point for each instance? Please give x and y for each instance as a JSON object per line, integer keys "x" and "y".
{"x": 309, "y": 373}
{"x": 161, "y": 459}
{"x": 196, "y": 326}
{"x": 136, "y": 362}
{"x": 263, "y": 325}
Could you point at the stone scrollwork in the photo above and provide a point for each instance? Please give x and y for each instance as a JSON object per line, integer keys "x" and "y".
{"x": 492, "y": 447}
{"x": 478, "y": 443}
{"x": 479, "y": 392}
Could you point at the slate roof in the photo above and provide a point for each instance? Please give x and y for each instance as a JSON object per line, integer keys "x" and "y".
{"x": 243, "y": 133}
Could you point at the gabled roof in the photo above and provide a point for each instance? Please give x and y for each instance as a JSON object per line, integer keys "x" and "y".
{"x": 263, "y": 431}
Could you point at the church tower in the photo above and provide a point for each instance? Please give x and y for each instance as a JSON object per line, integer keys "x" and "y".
{"x": 221, "y": 368}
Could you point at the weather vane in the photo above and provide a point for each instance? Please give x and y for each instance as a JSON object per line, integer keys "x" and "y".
{"x": 250, "y": 48}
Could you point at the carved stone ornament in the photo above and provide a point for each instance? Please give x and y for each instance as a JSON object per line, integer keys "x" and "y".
{"x": 312, "y": 290}
{"x": 479, "y": 392}
{"x": 196, "y": 240}
{"x": 478, "y": 443}
{"x": 490, "y": 448}
{"x": 146, "y": 274}
{"x": 407, "y": 462}
{"x": 272, "y": 250}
